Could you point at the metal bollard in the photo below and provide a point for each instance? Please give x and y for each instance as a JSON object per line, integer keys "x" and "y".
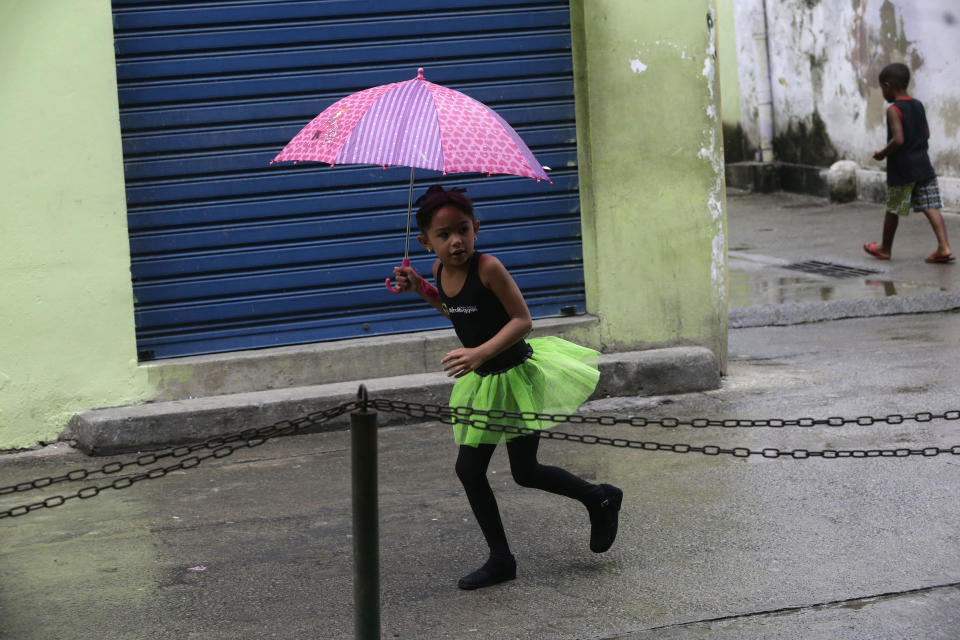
{"x": 366, "y": 534}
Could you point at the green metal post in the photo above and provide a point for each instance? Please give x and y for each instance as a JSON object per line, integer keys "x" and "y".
{"x": 366, "y": 534}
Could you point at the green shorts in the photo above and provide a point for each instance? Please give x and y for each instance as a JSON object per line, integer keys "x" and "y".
{"x": 922, "y": 195}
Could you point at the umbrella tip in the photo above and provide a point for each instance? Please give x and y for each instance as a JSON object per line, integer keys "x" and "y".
{"x": 420, "y": 73}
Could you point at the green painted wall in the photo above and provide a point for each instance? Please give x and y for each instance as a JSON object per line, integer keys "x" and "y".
{"x": 651, "y": 171}
{"x": 66, "y": 323}
{"x": 727, "y": 64}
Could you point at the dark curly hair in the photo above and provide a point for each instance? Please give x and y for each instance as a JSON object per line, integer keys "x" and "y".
{"x": 436, "y": 197}
{"x": 897, "y": 74}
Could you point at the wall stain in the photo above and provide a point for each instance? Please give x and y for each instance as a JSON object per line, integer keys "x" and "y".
{"x": 806, "y": 144}
{"x": 736, "y": 147}
{"x": 873, "y": 49}
{"x": 816, "y": 75}
{"x": 947, "y": 162}
{"x": 950, "y": 112}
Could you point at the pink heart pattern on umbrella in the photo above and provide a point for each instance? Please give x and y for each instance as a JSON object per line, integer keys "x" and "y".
{"x": 415, "y": 123}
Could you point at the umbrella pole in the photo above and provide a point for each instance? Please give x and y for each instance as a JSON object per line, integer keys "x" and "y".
{"x": 406, "y": 244}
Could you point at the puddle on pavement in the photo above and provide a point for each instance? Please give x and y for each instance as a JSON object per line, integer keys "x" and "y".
{"x": 752, "y": 286}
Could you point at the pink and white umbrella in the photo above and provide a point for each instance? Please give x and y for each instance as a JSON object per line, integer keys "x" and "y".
{"x": 415, "y": 123}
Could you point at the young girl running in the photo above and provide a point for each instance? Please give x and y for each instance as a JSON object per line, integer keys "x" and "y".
{"x": 497, "y": 369}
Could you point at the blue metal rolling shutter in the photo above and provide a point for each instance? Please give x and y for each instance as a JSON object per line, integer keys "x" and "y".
{"x": 231, "y": 253}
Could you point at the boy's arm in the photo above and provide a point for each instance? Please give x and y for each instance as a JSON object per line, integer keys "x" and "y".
{"x": 896, "y": 128}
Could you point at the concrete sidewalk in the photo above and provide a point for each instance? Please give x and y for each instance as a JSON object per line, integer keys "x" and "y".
{"x": 159, "y": 424}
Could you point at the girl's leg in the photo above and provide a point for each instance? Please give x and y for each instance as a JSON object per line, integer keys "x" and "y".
{"x": 601, "y": 500}
{"x": 939, "y": 230}
{"x": 528, "y": 472}
{"x": 472, "y": 463}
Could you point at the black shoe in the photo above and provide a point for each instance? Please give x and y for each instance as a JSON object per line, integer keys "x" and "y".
{"x": 494, "y": 571}
{"x": 603, "y": 519}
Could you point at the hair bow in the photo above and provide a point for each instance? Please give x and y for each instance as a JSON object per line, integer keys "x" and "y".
{"x": 437, "y": 190}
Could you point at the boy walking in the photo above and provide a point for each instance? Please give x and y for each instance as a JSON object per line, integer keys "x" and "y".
{"x": 911, "y": 179}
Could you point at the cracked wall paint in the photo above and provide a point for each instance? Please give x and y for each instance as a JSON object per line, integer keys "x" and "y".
{"x": 711, "y": 150}
{"x": 712, "y": 153}
{"x": 824, "y": 60}
{"x": 645, "y": 50}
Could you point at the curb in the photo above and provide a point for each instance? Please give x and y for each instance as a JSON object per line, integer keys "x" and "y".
{"x": 163, "y": 424}
{"x": 765, "y": 315}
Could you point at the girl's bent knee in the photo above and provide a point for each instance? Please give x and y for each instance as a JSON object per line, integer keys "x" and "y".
{"x": 527, "y": 477}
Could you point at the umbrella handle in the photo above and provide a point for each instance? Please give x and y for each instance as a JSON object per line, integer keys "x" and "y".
{"x": 405, "y": 263}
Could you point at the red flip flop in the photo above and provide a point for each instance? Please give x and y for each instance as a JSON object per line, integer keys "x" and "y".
{"x": 872, "y": 250}
{"x": 936, "y": 258}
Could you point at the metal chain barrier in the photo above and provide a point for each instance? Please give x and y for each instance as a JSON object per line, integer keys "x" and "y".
{"x": 218, "y": 447}
{"x": 459, "y": 415}
{"x": 223, "y": 446}
{"x": 416, "y": 409}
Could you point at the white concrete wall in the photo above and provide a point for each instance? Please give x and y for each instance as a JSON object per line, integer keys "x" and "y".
{"x": 824, "y": 59}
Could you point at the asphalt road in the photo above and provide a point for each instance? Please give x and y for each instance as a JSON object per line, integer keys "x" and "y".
{"x": 710, "y": 547}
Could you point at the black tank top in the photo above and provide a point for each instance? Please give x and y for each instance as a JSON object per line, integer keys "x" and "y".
{"x": 910, "y": 163}
{"x": 477, "y": 316}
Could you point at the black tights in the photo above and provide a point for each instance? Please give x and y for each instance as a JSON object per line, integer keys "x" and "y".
{"x": 471, "y": 468}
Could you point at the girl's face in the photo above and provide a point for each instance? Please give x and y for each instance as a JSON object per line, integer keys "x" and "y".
{"x": 451, "y": 235}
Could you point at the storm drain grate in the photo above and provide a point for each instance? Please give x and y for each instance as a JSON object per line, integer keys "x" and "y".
{"x": 829, "y": 269}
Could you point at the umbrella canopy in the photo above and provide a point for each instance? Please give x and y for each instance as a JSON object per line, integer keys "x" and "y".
{"x": 415, "y": 123}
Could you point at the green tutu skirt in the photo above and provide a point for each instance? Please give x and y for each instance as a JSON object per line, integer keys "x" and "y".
{"x": 557, "y": 378}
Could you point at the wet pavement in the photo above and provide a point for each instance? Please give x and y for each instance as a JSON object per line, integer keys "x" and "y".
{"x": 258, "y": 545}
{"x": 803, "y": 251}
